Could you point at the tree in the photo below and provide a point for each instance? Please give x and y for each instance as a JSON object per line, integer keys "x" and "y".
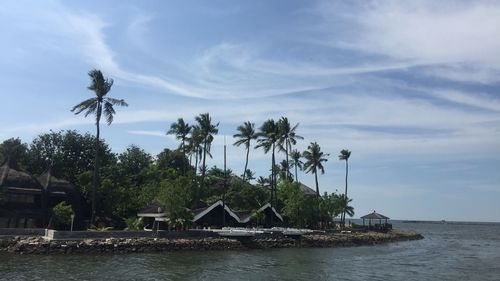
{"x": 345, "y": 207}
{"x": 207, "y": 131}
{"x": 267, "y": 139}
{"x": 344, "y": 155}
{"x": 97, "y": 106}
{"x": 245, "y": 136}
{"x": 195, "y": 147}
{"x": 296, "y": 162}
{"x": 14, "y": 150}
{"x": 132, "y": 162}
{"x": 181, "y": 130}
{"x": 314, "y": 159}
{"x": 287, "y": 137}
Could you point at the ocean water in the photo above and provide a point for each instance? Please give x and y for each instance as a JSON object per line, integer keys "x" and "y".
{"x": 451, "y": 251}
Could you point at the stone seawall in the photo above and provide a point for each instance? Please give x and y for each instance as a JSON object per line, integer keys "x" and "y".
{"x": 39, "y": 245}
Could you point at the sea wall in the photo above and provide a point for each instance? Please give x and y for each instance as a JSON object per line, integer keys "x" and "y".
{"x": 39, "y": 245}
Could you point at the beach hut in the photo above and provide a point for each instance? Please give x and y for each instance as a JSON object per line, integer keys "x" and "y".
{"x": 212, "y": 216}
{"x": 22, "y": 204}
{"x": 376, "y": 217}
{"x": 307, "y": 190}
{"x": 265, "y": 216}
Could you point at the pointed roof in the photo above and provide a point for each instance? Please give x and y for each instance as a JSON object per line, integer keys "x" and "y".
{"x": 374, "y": 216}
{"x": 53, "y": 184}
{"x": 306, "y": 189}
{"x": 200, "y": 213}
{"x": 15, "y": 179}
{"x": 262, "y": 209}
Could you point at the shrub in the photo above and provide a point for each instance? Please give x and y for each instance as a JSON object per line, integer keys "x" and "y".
{"x": 61, "y": 215}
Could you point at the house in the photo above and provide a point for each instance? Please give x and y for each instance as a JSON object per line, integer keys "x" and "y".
{"x": 26, "y": 201}
{"x": 23, "y": 202}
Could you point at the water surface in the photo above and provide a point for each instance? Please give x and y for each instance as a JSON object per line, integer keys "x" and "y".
{"x": 448, "y": 252}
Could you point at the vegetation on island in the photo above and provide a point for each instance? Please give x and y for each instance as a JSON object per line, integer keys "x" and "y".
{"x": 115, "y": 186}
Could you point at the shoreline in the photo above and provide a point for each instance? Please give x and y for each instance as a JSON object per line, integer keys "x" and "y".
{"x": 39, "y": 245}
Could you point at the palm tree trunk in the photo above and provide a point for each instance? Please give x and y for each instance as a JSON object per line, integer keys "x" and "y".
{"x": 345, "y": 193}
{"x": 196, "y": 163}
{"x": 183, "y": 160}
{"x": 286, "y": 151}
{"x": 317, "y": 186}
{"x": 96, "y": 166}
{"x": 203, "y": 168}
{"x": 296, "y": 179}
{"x": 246, "y": 163}
{"x": 273, "y": 186}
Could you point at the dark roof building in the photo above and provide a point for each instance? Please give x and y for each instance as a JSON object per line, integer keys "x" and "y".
{"x": 23, "y": 203}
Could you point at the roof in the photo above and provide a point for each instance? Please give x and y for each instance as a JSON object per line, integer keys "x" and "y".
{"x": 10, "y": 177}
{"x": 263, "y": 208}
{"x": 306, "y": 189}
{"x": 155, "y": 209}
{"x": 199, "y": 213}
{"x": 375, "y": 216}
{"x": 55, "y": 185}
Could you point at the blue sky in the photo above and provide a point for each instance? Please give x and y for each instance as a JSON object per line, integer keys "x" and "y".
{"x": 412, "y": 89}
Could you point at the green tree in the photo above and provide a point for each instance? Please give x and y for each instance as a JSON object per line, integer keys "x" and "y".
{"x": 14, "y": 150}
{"x": 268, "y": 139}
{"x": 245, "y": 136}
{"x": 345, "y": 207}
{"x": 314, "y": 161}
{"x": 69, "y": 153}
{"x": 100, "y": 104}
{"x": 181, "y": 131}
{"x": 207, "y": 131}
{"x": 344, "y": 155}
{"x": 287, "y": 138}
{"x": 133, "y": 163}
{"x": 296, "y": 162}
{"x": 195, "y": 141}
{"x": 176, "y": 198}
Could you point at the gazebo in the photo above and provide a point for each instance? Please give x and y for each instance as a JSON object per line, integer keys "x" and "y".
{"x": 376, "y": 216}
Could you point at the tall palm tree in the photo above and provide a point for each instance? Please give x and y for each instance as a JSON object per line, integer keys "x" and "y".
{"x": 181, "y": 130}
{"x": 314, "y": 159}
{"x": 344, "y": 155}
{"x": 245, "y": 136}
{"x": 195, "y": 141}
{"x": 98, "y": 105}
{"x": 207, "y": 131}
{"x": 296, "y": 162}
{"x": 268, "y": 139}
{"x": 287, "y": 137}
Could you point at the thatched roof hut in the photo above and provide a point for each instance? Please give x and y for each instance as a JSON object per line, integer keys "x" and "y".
{"x": 306, "y": 189}
{"x": 24, "y": 204}
{"x": 213, "y": 216}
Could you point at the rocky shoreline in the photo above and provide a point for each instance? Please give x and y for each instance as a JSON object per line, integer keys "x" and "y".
{"x": 39, "y": 245}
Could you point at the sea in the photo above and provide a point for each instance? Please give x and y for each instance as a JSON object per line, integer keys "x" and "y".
{"x": 449, "y": 251}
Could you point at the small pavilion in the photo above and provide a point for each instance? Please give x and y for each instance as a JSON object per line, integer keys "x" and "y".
{"x": 376, "y": 216}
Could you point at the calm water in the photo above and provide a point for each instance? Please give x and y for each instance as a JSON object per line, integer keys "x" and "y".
{"x": 448, "y": 252}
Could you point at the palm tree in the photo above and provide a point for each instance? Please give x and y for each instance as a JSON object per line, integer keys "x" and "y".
{"x": 181, "y": 130}
{"x": 296, "y": 162}
{"x": 314, "y": 159}
{"x": 262, "y": 181}
{"x": 267, "y": 139}
{"x": 245, "y": 136}
{"x": 344, "y": 155}
{"x": 97, "y": 106}
{"x": 194, "y": 144}
{"x": 207, "y": 131}
{"x": 287, "y": 137}
{"x": 345, "y": 207}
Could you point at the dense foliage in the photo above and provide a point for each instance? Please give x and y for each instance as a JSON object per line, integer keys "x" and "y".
{"x": 178, "y": 179}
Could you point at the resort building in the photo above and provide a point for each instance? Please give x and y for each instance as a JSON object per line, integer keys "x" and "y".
{"x": 25, "y": 201}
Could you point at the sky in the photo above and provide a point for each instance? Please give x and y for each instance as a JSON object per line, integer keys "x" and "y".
{"x": 412, "y": 88}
